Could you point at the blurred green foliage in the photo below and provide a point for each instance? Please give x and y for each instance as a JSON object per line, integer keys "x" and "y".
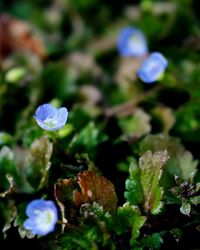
{"x": 140, "y": 143}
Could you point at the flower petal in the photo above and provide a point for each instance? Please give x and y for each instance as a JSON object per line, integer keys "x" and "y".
{"x": 36, "y": 206}
{"x": 45, "y": 111}
{"x": 62, "y": 116}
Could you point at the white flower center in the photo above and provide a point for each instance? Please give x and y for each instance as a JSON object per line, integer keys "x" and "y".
{"x": 45, "y": 220}
{"x": 50, "y": 122}
{"x": 135, "y": 43}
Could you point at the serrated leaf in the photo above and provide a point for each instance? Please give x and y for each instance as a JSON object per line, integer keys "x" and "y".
{"x": 181, "y": 161}
{"x": 151, "y": 165}
{"x": 38, "y": 162}
{"x": 95, "y": 188}
{"x": 134, "y": 193}
{"x": 128, "y": 217}
{"x": 138, "y": 223}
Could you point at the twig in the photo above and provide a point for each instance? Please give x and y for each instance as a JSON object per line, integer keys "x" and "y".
{"x": 128, "y": 108}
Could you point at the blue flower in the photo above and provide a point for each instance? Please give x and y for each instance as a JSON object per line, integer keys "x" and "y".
{"x": 152, "y": 68}
{"x": 50, "y": 118}
{"x": 132, "y": 42}
{"x": 43, "y": 216}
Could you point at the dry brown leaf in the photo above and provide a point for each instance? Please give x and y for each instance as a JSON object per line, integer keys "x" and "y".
{"x": 16, "y": 35}
{"x": 63, "y": 190}
{"x": 95, "y": 188}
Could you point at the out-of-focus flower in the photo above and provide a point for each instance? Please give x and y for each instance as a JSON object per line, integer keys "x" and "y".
{"x": 152, "y": 68}
{"x": 43, "y": 216}
{"x": 132, "y": 42}
{"x": 51, "y": 118}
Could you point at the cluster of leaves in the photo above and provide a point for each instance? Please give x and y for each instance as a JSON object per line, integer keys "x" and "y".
{"x": 124, "y": 169}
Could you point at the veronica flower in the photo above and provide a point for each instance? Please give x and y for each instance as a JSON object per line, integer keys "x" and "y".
{"x": 50, "y": 118}
{"x": 132, "y": 42}
{"x": 42, "y": 215}
{"x": 152, "y": 68}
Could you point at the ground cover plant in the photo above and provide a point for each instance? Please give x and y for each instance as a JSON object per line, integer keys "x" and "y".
{"x": 99, "y": 124}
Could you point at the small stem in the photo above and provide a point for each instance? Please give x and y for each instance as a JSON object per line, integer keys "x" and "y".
{"x": 67, "y": 224}
{"x": 128, "y": 108}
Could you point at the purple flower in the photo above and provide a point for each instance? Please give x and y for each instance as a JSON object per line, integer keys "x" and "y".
{"x": 43, "y": 216}
{"x": 132, "y": 42}
{"x": 50, "y": 118}
{"x": 152, "y": 68}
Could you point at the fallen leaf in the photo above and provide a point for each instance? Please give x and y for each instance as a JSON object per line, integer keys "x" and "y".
{"x": 63, "y": 191}
{"x": 95, "y": 188}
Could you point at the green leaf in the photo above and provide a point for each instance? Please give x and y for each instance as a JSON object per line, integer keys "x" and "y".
{"x": 67, "y": 130}
{"x": 195, "y": 200}
{"x": 87, "y": 140}
{"x": 124, "y": 166}
{"x": 153, "y": 241}
{"x": 80, "y": 117}
{"x": 15, "y": 75}
{"x": 88, "y": 236}
{"x": 7, "y": 168}
{"x": 5, "y": 138}
{"x": 138, "y": 223}
{"x": 136, "y": 125}
{"x": 181, "y": 161}
{"x": 177, "y": 233}
{"x": 187, "y": 165}
{"x": 151, "y": 169}
{"x": 185, "y": 207}
{"x": 128, "y": 217}
{"x": 134, "y": 193}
